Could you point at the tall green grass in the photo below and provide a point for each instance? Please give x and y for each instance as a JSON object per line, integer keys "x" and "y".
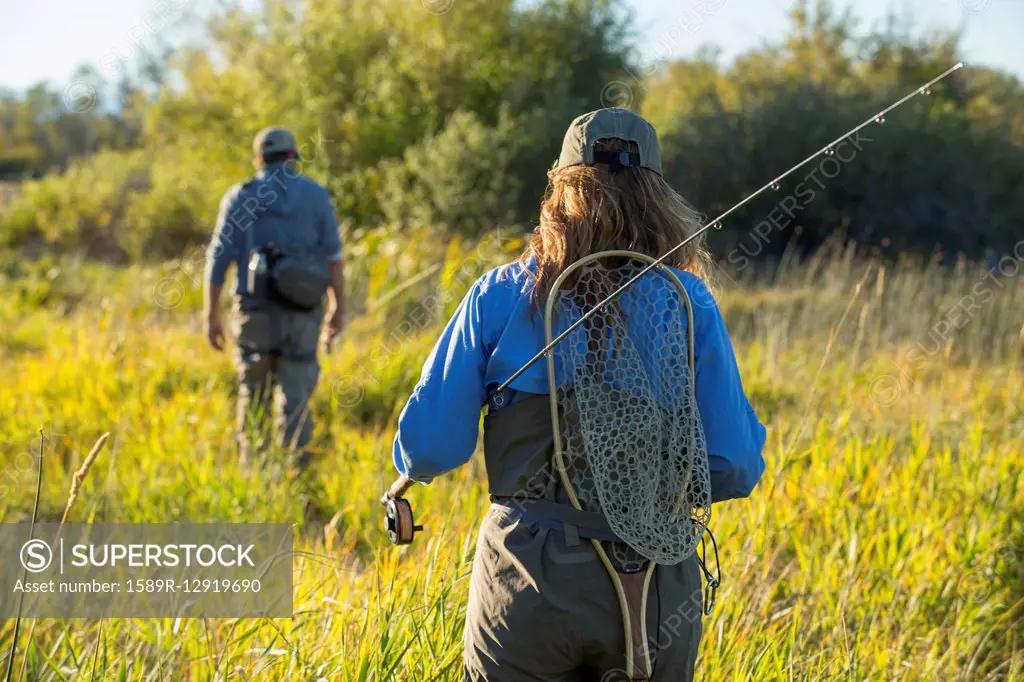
{"x": 885, "y": 542}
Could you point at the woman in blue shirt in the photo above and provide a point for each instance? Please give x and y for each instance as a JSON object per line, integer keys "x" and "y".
{"x": 541, "y": 606}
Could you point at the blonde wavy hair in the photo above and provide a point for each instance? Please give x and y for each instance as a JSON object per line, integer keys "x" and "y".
{"x": 587, "y": 209}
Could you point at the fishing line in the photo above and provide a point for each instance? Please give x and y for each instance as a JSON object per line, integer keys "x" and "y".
{"x": 878, "y": 117}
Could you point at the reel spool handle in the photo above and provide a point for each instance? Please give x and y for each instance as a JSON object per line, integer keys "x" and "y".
{"x": 398, "y": 517}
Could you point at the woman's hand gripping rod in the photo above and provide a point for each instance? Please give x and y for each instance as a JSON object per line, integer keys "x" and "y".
{"x": 398, "y": 518}
{"x": 878, "y": 117}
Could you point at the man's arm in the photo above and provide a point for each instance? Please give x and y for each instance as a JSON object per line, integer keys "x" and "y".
{"x": 332, "y": 243}
{"x": 337, "y": 285}
{"x": 219, "y": 255}
{"x": 336, "y": 312}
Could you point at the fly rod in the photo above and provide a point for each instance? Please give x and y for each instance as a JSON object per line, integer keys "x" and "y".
{"x": 878, "y": 117}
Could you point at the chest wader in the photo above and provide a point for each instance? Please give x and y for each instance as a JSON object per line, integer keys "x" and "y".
{"x": 614, "y": 390}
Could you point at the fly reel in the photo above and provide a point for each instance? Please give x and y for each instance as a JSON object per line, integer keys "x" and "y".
{"x": 398, "y": 521}
{"x": 398, "y": 518}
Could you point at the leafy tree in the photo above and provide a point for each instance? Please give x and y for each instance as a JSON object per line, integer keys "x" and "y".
{"x": 458, "y": 179}
{"x": 940, "y": 173}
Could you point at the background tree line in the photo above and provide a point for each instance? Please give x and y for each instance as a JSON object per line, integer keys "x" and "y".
{"x": 451, "y": 119}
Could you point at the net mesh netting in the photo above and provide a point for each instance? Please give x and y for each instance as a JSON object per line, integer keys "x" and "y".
{"x": 632, "y": 441}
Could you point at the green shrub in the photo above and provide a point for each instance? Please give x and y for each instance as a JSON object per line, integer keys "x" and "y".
{"x": 457, "y": 178}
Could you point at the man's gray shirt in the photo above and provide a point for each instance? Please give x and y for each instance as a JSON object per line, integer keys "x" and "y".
{"x": 278, "y": 206}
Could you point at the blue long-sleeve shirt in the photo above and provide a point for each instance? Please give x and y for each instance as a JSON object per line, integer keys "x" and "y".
{"x": 279, "y": 206}
{"x": 496, "y": 330}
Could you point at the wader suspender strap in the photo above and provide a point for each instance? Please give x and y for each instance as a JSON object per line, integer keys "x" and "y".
{"x": 632, "y": 589}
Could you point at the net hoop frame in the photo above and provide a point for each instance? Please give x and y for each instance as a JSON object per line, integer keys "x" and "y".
{"x": 632, "y": 668}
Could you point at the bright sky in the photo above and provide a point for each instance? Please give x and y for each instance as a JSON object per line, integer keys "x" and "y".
{"x": 46, "y": 39}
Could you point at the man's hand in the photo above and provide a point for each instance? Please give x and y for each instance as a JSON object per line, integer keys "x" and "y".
{"x": 214, "y": 330}
{"x": 335, "y": 323}
{"x": 211, "y": 315}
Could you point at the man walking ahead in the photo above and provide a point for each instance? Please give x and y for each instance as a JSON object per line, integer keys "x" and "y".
{"x": 280, "y": 230}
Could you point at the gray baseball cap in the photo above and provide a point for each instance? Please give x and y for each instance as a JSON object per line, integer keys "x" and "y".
{"x": 603, "y": 124}
{"x": 273, "y": 139}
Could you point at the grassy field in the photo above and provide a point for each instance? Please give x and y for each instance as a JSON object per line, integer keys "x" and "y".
{"x": 885, "y": 542}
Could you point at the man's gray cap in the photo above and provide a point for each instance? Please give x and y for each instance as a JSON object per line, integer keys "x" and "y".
{"x": 603, "y": 124}
{"x": 272, "y": 140}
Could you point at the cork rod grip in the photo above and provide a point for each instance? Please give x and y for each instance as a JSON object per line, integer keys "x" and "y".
{"x": 398, "y": 488}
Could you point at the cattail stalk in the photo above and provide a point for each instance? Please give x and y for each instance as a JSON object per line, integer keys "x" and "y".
{"x": 78, "y": 479}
